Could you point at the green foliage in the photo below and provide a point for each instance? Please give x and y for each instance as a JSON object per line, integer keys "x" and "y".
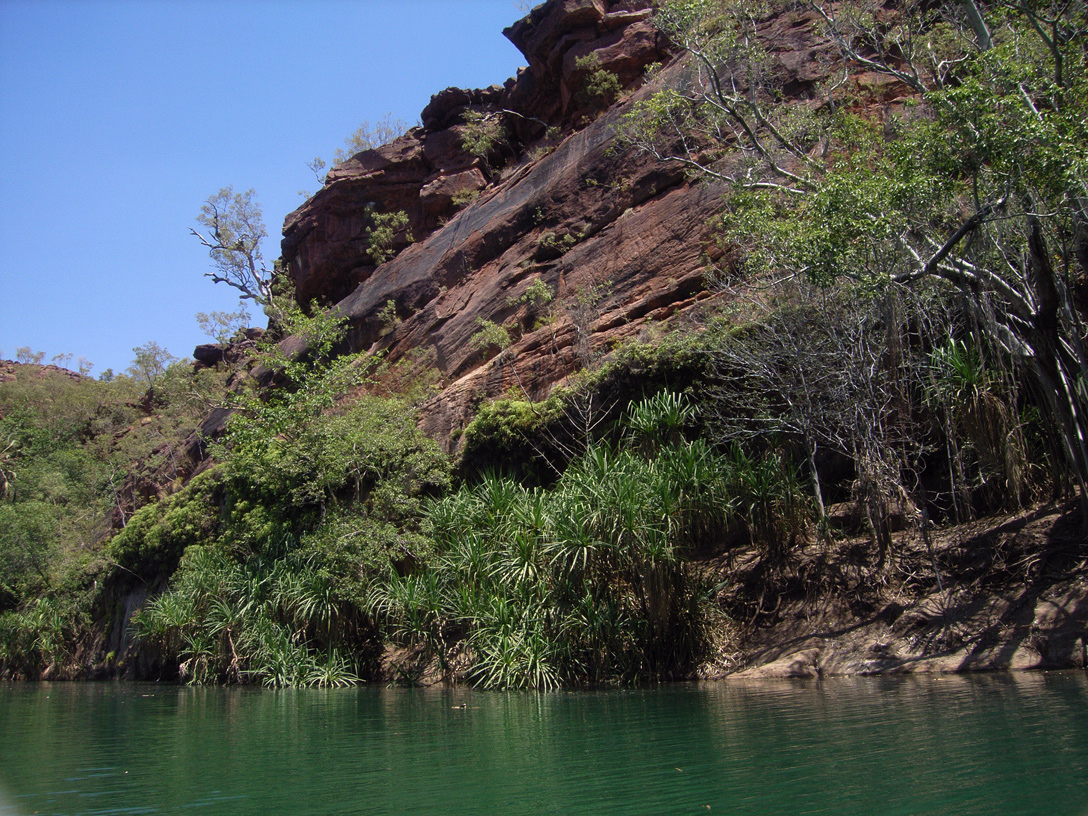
{"x": 248, "y": 603}
{"x": 222, "y": 327}
{"x": 387, "y": 317}
{"x": 345, "y": 480}
{"x": 296, "y": 440}
{"x": 983, "y": 417}
{"x": 657, "y": 421}
{"x": 490, "y": 335}
{"x": 233, "y": 227}
{"x": 536, "y": 296}
{"x": 38, "y": 639}
{"x": 978, "y": 184}
{"x": 28, "y": 540}
{"x": 382, "y": 235}
{"x": 462, "y": 198}
{"x": 150, "y": 363}
{"x": 69, "y": 448}
{"x": 24, "y": 354}
{"x": 600, "y": 87}
{"x": 274, "y": 621}
{"x": 535, "y": 441}
{"x": 506, "y": 421}
{"x": 312, "y": 493}
{"x": 309, "y": 381}
{"x": 582, "y": 583}
{"x": 552, "y": 245}
{"x": 370, "y": 135}
{"x": 151, "y": 544}
{"x": 769, "y": 496}
{"x": 280, "y": 546}
{"x": 517, "y": 438}
{"x": 481, "y": 134}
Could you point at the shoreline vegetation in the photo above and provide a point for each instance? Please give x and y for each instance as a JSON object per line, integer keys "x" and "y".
{"x": 868, "y": 452}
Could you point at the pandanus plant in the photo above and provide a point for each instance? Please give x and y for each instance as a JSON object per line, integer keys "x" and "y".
{"x": 580, "y": 583}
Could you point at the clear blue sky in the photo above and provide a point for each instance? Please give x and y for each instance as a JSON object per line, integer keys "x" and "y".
{"x": 118, "y": 118}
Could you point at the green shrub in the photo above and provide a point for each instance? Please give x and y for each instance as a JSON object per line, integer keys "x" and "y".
{"x": 279, "y": 557}
{"x": 275, "y": 621}
{"x": 600, "y": 87}
{"x": 482, "y": 134}
{"x": 580, "y": 583}
{"x": 490, "y": 335}
{"x": 462, "y": 198}
{"x": 40, "y": 639}
{"x": 381, "y": 235}
{"x": 152, "y": 543}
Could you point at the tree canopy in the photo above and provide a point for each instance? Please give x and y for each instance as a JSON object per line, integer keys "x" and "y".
{"x": 978, "y": 179}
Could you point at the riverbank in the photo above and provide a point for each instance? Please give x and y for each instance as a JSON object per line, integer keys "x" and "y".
{"x": 1012, "y": 594}
{"x": 1001, "y": 593}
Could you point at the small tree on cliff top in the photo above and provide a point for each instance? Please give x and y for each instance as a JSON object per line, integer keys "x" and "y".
{"x": 150, "y": 363}
{"x": 368, "y": 136}
{"x": 233, "y": 230}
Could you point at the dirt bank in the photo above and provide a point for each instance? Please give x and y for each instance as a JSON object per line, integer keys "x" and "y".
{"x": 1008, "y": 592}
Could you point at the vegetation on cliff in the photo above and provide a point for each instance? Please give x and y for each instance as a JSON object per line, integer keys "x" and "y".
{"x": 901, "y": 269}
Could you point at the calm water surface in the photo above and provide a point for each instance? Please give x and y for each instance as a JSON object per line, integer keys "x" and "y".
{"x": 1005, "y": 744}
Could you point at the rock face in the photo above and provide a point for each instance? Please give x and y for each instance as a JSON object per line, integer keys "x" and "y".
{"x": 326, "y": 240}
{"x": 620, "y": 241}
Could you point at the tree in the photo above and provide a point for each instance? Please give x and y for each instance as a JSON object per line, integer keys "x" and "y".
{"x": 980, "y": 187}
{"x": 24, "y": 354}
{"x": 150, "y": 363}
{"x": 600, "y": 87}
{"x": 368, "y": 136}
{"x": 481, "y": 135}
{"x": 381, "y": 235}
{"x": 222, "y": 326}
{"x": 233, "y": 230}
{"x": 820, "y": 370}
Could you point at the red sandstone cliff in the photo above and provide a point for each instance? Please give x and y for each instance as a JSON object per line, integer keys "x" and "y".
{"x": 558, "y": 203}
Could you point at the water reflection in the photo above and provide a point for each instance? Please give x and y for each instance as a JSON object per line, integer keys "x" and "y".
{"x": 906, "y": 745}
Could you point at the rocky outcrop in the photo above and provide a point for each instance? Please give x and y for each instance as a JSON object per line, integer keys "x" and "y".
{"x": 620, "y": 241}
{"x": 555, "y": 34}
{"x": 1014, "y": 596}
{"x": 426, "y": 172}
{"x": 11, "y": 370}
{"x": 233, "y": 354}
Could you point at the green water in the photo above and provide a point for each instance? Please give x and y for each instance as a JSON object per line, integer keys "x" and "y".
{"x": 949, "y": 745}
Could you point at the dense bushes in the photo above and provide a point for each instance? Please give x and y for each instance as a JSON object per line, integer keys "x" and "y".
{"x": 274, "y": 620}
{"x": 71, "y": 453}
{"x": 272, "y": 592}
{"x": 586, "y": 581}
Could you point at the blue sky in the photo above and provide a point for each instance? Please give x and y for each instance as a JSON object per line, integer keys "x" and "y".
{"x": 119, "y": 118}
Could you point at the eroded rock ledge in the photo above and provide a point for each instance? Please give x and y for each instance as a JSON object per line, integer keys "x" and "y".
{"x": 1013, "y": 595}
{"x": 422, "y": 172}
{"x": 560, "y": 203}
